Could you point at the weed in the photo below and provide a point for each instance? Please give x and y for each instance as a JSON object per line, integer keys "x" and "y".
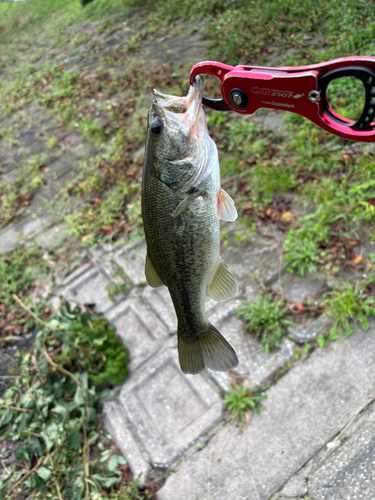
{"x": 241, "y": 400}
{"x": 266, "y": 319}
{"x": 18, "y": 271}
{"x": 52, "y": 142}
{"x": 302, "y": 255}
{"x": 117, "y": 288}
{"x": 353, "y": 304}
{"x": 15, "y": 197}
{"x": 90, "y": 129}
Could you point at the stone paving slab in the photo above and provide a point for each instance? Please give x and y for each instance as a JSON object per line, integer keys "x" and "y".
{"x": 297, "y": 289}
{"x": 117, "y": 424}
{"x": 254, "y": 365}
{"x": 132, "y": 260}
{"x": 139, "y": 328}
{"x": 311, "y": 329}
{"x": 160, "y": 301}
{"x": 343, "y": 469}
{"x": 28, "y": 227}
{"x": 89, "y": 288}
{"x": 307, "y": 408}
{"x": 168, "y": 411}
{"x": 260, "y": 260}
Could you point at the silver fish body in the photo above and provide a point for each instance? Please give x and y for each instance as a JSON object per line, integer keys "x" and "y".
{"x": 182, "y": 202}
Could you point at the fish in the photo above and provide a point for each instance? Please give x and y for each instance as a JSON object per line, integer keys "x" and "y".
{"x": 182, "y": 205}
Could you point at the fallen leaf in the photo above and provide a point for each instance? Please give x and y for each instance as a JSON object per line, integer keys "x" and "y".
{"x": 357, "y": 259}
{"x": 288, "y": 216}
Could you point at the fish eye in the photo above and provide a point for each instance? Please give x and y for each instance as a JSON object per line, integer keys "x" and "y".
{"x": 157, "y": 127}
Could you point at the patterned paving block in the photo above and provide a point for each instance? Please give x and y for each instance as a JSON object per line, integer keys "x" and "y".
{"x": 311, "y": 330}
{"x": 89, "y": 288}
{"x": 139, "y": 329}
{"x": 161, "y": 302}
{"x": 118, "y": 426}
{"x": 253, "y": 361}
{"x": 299, "y": 288}
{"x": 13, "y": 234}
{"x": 259, "y": 259}
{"x": 169, "y": 411}
{"x": 132, "y": 261}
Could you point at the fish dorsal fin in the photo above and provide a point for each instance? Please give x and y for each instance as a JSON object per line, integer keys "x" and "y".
{"x": 225, "y": 207}
{"x": 152, "y": 277}
{"x": 223, "y": 284}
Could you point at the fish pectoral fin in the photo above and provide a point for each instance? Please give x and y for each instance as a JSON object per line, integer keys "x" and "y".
{"x": 152, "y": 277}
{"x": 194, "y": 193}
{"x": 223, "y": 284}
{"x": 210, "y": 350}
{"x": 225, "y": 207}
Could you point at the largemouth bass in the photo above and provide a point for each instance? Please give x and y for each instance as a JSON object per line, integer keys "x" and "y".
{"x": 182, "y": 203}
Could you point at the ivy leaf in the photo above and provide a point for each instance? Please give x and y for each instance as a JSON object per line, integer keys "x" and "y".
{"x": 115, "y": 461}
{"x": 80, "y": 396}
{"x": 83, "y": 378}
{"x": 44, "y": 473}
{"x": 60, "y": 410}
{"x": 106, "y": 482}
{"x": 49, "y": 435}
{"x": 6, "y": 418}
{"x": 93, "y": 438}
{"x": 21, "y": 424}
{"x": 75, "y": 440}
{"x": 104, "y": 455}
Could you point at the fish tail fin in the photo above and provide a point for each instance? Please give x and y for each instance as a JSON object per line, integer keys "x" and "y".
{"x": 210, "y": 350}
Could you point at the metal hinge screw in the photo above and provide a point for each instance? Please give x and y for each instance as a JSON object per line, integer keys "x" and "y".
{"x": 237, "y": 99}
{"x": 313, "y": 96}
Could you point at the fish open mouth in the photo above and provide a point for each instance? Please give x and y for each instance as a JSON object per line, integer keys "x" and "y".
{"x": 189, "y": 106}
{"x": 186, "y": 116}
{"x": 178, "y": 104}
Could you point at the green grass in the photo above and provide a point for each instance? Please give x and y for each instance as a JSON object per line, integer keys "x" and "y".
{"x": 266, "y": 319}
{"x": 350, "y": 305}
{"x": 241, "y": 400}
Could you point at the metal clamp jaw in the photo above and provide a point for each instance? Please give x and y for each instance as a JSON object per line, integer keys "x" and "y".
{"x": 300, "y": 89}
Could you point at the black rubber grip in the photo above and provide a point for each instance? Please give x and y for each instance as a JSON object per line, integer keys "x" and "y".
{"x": 367, "y": 77}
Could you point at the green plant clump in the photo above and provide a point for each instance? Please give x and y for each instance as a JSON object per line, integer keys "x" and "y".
{"x": 350, "y": 305}
{"x": 266, "y": 319}
{"x": 51, "y": 411}
{"x": 241, "y": 400}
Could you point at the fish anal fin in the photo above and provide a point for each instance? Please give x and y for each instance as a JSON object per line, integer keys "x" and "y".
{"x": 152, "y": 277}
{"x": 225, "y": 209}
{"x": 210, "y": 350}
{"x": 223, "y": 284}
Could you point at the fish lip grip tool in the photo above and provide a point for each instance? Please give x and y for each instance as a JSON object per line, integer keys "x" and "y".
{"x": 299, "y": 89}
